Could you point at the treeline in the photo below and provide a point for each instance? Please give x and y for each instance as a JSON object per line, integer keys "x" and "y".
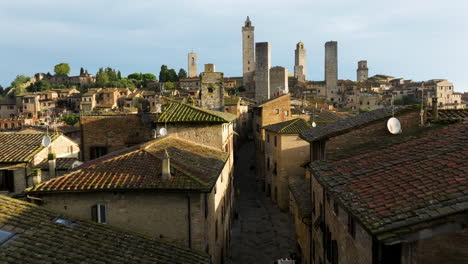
{"x": 105, "y": 77}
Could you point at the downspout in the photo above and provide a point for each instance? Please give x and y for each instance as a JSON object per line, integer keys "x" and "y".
{"x": 26, "y": 176}
{"x": 189, "y": 211}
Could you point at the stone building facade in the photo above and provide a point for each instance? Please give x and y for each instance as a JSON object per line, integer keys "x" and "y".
{"x": 331, "y": 70}
{"x": 273, "y": 111}
{"x": 362, "y": 71}
{"x": 262, "y": 71}
{"x": 300, "y": 63}
{"x": 212, "y": 89}
{"x": 192, "y": 62}
{"x": 248, "y": 54}
{"x": 278, "y": 81}
{"x": 189, "y": 202}
{"x": 285, "y": 157}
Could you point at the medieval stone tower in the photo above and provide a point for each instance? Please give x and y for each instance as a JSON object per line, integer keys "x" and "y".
{"x": 362, "y": 71}
{"x": 212, "y": 89}
{"x": 331, "y": 70}
{"x": 192, "y": 61}
{"x": 248, "y": 55}
{"x": 300, "y": 68}
{"x": 262, "y": 72}
{"x": 278, "y": 81}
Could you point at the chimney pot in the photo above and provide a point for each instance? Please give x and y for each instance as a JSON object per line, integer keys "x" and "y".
{"x": 166, "y": 166}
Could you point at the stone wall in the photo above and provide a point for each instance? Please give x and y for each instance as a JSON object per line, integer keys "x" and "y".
{"x": 262, "y": 71}
{"x": 248, "y": 54}
{"x": 357, "y": 250}
{"x": 212, "y": 90}
{"x": 162, "y": 215}
{"x": 192, "y": 61}
{"x": 300, "y": 62}
{"x": 362, "y": 71}
{"x": 331, "y": 70}
{"x": 278, "y": 81}
{"x": 114, "y": 132}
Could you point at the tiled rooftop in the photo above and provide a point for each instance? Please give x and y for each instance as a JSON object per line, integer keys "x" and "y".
{"x": 183, "y": 113}
{"x": 344, "y": 125}
{"x": 448, "y": 115}
{"x": 60, "y": 164}
{"x": 404, "y": 184}
{"x": 38, "y": 239}
{"x": 20, "y": 147}
{"x": 194, "y": 167}
{"x": 294, "y": 126}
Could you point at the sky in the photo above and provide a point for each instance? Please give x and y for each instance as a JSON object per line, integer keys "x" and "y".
{"x": 411, "y": 39}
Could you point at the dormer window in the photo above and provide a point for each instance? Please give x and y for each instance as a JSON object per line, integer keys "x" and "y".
{"x": 99, "y": 213}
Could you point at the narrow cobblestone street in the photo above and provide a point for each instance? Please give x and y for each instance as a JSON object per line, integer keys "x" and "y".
{"x": 262, "y": 233}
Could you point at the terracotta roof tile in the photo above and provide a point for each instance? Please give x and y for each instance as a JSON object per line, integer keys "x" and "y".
{"x": 20, "y": 147}
{"x": 344, "y": 125}
{"x": 38, "y": 239}
{"x": 294, "y": 126}
{"x": 404, "y": 184}
{"x": 448, "y": 115}
{"x": 195, "y": 167}
{"x": 180, "y": 113}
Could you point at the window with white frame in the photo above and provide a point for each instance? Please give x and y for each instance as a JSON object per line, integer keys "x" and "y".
{"x": 99, "y": 213}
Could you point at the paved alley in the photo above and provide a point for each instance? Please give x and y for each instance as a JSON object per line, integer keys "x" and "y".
{"x": 262, "y": 233}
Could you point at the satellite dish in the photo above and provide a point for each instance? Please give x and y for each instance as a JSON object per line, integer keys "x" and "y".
{"x": 394, "y": 126}
{"x": 46, "y": 140}
{"x": 163, "y": 131}
{"x": 314, "y": 124}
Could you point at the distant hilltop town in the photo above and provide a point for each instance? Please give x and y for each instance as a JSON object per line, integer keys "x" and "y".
{"x": 60, "y": 94}
{"x": 192, "y": 166}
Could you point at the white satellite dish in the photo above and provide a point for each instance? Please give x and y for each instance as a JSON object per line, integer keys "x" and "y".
{"x": 163, "y": 131}
{"x": 46, "y": 140}
{"x": 314, "y": 124}
{"x": 394, "y": 126}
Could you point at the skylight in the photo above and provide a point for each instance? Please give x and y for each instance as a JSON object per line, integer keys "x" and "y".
{"x": 5, "y": 235}
{"x": 63, "y": 221}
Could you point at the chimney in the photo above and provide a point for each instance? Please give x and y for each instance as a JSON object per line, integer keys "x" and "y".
{"x": 435, "y": 109}
{"x": 166, "y": 166}
{"x": 36, "y": 176}
{"x": 52, "y": 165}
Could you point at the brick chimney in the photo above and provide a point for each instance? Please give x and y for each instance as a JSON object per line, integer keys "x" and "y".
{"x": 166, "y": 166}
{"x": 435, "y": 109}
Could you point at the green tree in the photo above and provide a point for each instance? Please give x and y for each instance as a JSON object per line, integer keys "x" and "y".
{"x": 148, "y": 76}
{"x": 182, "y": 74}
{"x": 172, "y": 76}
{"x": 81, "y": 71}
{"x": 62, "y": 69}
{"x": 71, "y": 119}
{"x": 163, "y": 74}
{"x": 170, "y": 86}
{"x": 134, "y": 76}
{"x": 112, "y": 74}
{"x": 39, "y": 86}
{"x": 102, "y": 79}
{"x": 19, "y": 84}
{"x": 119, "y": 75}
